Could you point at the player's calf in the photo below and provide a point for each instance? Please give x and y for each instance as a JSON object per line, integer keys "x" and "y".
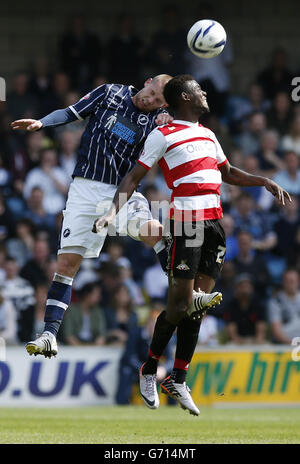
{"x": 179, "y": 299}
{"x": 58, "y": 300}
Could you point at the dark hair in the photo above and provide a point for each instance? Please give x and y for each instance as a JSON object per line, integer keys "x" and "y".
{"x": 291, "y": 269}
{"x": 174, "y": 88}
{"x": 88, "y": 288}
{"x": 244, "y": 232}
{"x": 113, "y": 302}
{"x": 244, "y": 195}
{"x": 28, "y": 222}
{"x": 110, "y": 269}
{"x": 150, "y": 188}
{"x": 11, "y": 258}
{"x": 112, "y": 241}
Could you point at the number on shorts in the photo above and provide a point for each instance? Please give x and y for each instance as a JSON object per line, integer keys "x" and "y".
{"x": 221, "y": 254}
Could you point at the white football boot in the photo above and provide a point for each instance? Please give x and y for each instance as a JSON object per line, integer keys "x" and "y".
{"x": 201, "y": 302}
{"x": 148, "y": 389}
{"x": 45, "y": 345}
{"x": 181, "y": 393}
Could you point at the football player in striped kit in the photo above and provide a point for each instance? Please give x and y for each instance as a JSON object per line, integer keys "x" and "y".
{"x": 119, "y": 119}
{"x": 194, "y": 166}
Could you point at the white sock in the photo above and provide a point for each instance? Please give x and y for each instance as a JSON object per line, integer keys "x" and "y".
{"x": 63, "y": 279}
{"x": 50, "y": 334}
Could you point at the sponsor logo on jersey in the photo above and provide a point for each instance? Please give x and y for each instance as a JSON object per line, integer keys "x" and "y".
{"x": 111, "y": 121}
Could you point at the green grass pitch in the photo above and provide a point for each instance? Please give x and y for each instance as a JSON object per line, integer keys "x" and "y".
{"x": 137, "y": 424}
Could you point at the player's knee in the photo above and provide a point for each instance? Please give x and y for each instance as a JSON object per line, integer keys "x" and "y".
{"x": 151, "y": 232}
{"x": 174, "y": 317}
{"x": 68, "y": 264}
{"x": 176, "y": 311}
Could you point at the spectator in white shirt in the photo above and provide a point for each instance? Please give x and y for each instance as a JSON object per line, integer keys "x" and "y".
{"x": 284, "y": 309}
{"x": 208, "y": 334}
{"x": 8, "y": 320}
{"x": 20, "y": 293}
{"x": 156, "y": 282}
{"x": 51, "y": 179}
{"x": 249, "y": 140}
{"x": 68, "y": 152}
{"x": 291, "y": 141}
{"x": 289, "y": 178}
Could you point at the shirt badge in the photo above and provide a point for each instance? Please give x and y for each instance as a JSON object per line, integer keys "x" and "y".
{"x": 183, "y": 266}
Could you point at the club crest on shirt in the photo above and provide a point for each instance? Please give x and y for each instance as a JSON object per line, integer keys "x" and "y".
{"x": 183, "y": 266}
{"x": 143, "y": 119}
{"x": 113, "y": 103}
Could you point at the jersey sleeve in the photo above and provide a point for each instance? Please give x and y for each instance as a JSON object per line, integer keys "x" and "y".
{"x": 221, "y": 157}
{"x": 154, "y": 148}
{"x": 58, "y": 118}
{"x": 86, "y": 105}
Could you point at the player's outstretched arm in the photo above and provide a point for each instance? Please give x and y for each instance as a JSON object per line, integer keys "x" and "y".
{"x": 54, "y": 119}
{"x": 234, "y": 176}
{"x": 122, "y": 195}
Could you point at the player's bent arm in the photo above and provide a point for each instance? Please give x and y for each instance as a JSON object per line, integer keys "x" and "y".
{"x": 163, "y": 118}
{"x": 128, "y": 185}
{"x": 234, "y": 176}
{"x": 126, "y": 188}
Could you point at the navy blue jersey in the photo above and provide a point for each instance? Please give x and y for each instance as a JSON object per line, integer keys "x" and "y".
{"x": 115, "y": 133}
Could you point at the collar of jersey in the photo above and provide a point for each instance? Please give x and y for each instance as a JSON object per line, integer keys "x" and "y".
{"x": 185, "y": 123}
{"x": 131, "y": 92}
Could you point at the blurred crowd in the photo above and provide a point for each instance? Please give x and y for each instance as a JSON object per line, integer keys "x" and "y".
{"x": 117, "y": 297}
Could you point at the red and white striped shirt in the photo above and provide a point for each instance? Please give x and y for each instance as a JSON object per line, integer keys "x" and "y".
{"x": 189, "y": 156}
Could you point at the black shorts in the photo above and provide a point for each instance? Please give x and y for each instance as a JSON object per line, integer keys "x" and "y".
{"x": 197, "y": 247}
